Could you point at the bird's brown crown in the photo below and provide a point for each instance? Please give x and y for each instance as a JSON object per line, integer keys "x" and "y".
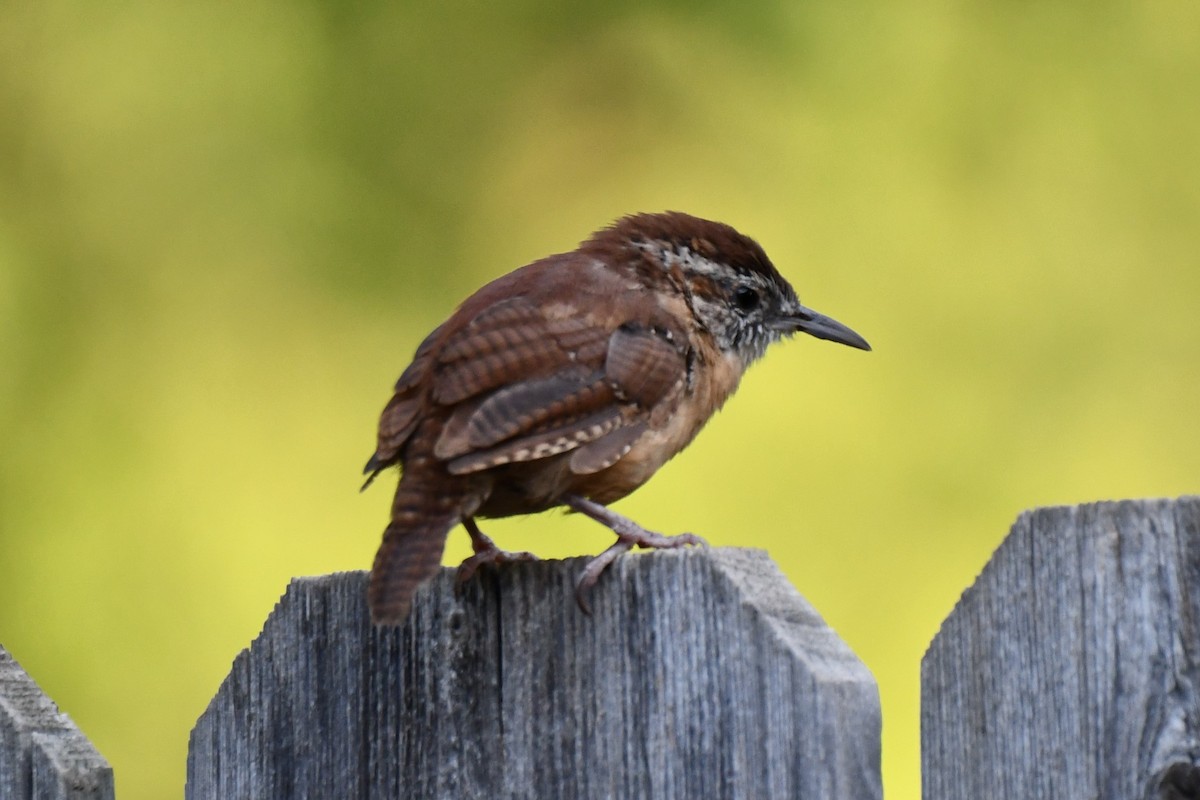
{"x": 714, "y": 241}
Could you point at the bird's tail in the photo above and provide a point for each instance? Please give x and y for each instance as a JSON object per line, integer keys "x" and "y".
{"x": 412, "y": 548}
{"x": 429, "y": 502}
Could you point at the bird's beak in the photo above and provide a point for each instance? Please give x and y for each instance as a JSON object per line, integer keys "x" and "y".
{"x": 808, "y": 321}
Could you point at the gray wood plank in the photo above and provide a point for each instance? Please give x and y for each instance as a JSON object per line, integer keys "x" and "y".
{"x": 702, "y": 674}
{"x": 1070, "y": 668}
{"x": 43, "y": 755}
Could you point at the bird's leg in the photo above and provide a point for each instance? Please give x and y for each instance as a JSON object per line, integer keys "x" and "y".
{"x": 486, "y": 552}
{"x": 629, "y": 535}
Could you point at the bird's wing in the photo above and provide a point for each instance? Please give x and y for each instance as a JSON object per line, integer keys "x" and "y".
{"x": 646, "y": 367}
{"x": 586, "y": 389}
{"x": 399, "y": 417}
{"x": 512, "y": 338}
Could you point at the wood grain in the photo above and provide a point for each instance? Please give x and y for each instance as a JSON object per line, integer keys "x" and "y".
{"x": 1070, "y": 669}
{"x": 703, "y": 674}
{"x": 43, "y": 755}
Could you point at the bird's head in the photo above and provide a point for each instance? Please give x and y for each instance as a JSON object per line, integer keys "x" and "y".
{"x": 732, "y": 288}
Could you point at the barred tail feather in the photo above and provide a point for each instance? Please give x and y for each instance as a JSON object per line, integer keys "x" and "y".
{"x": 410, "y": 554}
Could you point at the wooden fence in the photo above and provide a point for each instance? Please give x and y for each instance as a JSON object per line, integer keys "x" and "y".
{"x": 43, "y": 756}
{"x": 1071, "y": 669}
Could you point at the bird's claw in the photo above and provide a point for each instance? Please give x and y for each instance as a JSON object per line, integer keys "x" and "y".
{"x": 486, "y": 552}
{"x": 628, "y": 537}
{"x": 468, "y": 568}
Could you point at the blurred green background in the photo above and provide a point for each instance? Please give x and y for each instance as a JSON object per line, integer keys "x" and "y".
{"x": 224, "y": 229}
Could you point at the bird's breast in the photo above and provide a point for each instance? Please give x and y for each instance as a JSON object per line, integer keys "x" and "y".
{"x": 673, "y": 427}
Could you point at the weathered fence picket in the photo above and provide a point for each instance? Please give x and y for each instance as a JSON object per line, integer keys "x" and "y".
{"x": 702, "y": 674}
{"x": 1071, "y": 669}
{"x": 43, "y": 755}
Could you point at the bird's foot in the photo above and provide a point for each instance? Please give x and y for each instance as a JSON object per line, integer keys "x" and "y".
{"x": 629, "y": 536}
{"x": 486, "y": 552}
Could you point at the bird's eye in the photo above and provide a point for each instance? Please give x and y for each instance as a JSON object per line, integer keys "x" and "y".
{"x": 745, "y": 298}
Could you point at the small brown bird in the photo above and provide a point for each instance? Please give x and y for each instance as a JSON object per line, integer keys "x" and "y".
{"x": 569, "y": 382}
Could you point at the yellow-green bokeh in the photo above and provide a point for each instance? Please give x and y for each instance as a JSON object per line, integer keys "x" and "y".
{"x": 224, "y": 229}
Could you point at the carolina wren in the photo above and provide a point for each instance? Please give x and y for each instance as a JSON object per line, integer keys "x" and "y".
{"x": 569, "y": 382}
